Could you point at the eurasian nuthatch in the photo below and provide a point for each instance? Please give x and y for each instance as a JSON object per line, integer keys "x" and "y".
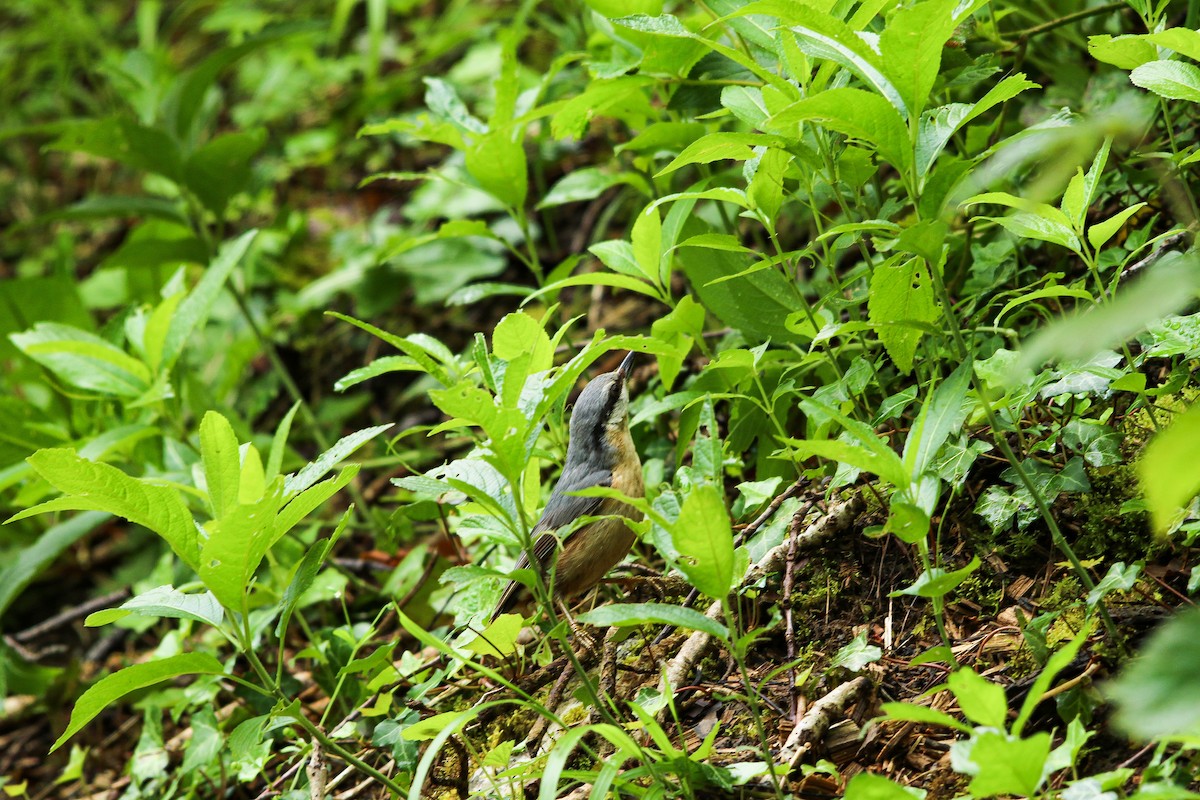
{"x": 600, "y": 453}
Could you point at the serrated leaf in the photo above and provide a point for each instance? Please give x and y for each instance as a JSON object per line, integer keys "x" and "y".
{"x": 91, "y": 486}
{"x": 1174, "y": 80}
{"x": 325, "y": 462}
{"x": 901, "y": 299}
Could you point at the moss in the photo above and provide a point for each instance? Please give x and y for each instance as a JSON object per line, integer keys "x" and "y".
{"x": 1106, "y": 533}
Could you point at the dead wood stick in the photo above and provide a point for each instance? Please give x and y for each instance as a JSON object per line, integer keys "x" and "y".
{"x": 813, "y": 726}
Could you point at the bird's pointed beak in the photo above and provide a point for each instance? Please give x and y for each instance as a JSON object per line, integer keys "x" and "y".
{"x": 626, "y": 365}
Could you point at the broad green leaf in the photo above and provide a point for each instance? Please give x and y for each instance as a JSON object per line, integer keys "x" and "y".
{"x": 911, "y": 48}
{"x": 909, "y": 712}
{"x": 113, "y": 687}
{"x": 1157, "y": 695}
{"x": 90, "y": 486}
{"x": 221, "y": 168}
{"x": 938, "y": 582}
{"x": 704, "y": 540}
{"x": 758, "y": 303}
{"x": 867, "y": 452}
{"x": 631, "y": 614}
{"x": 168, "y": 602}
{"x": 234, "y": 547}
{"x": 1126, "y": 52}
{"x": 222, "y": 463}
{"x": 868, "y": 786}
{"x": 901, "y": 294}
{"x": 582, "y": 184}
{"x": 618, "y": 255}
{"x": 856, "y": 113}
{"x": 647, "y": 244}
{"x": 497, "y": 161}
{"x": 194, "y": 309}
{"x": 1184, "y": 41}
{"x": 1101, "y": 232}
{"x": 1174, "y": 80}
{"x": 822, "y": 36}
{"x": 84, "y": 360}
{"x": 981, "y": 701}
{"x": 125, "y": 140}
{"x": 943, "y": 414}
{"x": 720, "y": 146}
{"x": 499, "y": 638}
{"x": 624, "y": 95}
{"x": 325, "y": 462}
{"x": 26, "y": 564}
{"x": 1169, "y": 470}
{"x": 1007, "y": 765}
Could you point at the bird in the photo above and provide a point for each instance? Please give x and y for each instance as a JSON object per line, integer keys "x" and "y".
{"x": 600, "y": 452}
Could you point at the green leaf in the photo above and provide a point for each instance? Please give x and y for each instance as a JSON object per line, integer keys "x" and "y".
{"x": 115, "y": 686}
{"x": 867, "y": 452}
{"x": 325, "y": 462}
{"x": 647, "y": 244}
{"x": 582, "y": 184}
{"x": 901, "y": 294}
{"x": 311, "y": 499}
{"x": 222, "y": 462}
{"x": 911, "y": 48}
{"x": 1184, "y": 41}
{"x": 757, "y": 303}
{"x": 937, "y": 582}
{"x": 822, "y": 36}
{"x": 234, "y": 547}
{"x": 497, "y": 161}
{"x": 1174, "y": 80}
{"x": 167, "y": 602}
{"x": 1004, "y": 764}
{"x": 909, "y": 712}
{"x": 856, "y": 113}
{"x": 1169, "y": 471}
{"x": 981, "y": 701}
{"x": 1078, "y": 338}
{"x": 943, "y": 414}
{"x": 306, "y": 573}
{"x": 1157, "y": 695}
{"x": 90, "y": 486}
{"x": 24, "y": 565}
{"x": 720, "y": 146}
{"x": 1054, "y": 665}
{"x": 222, "y": 168}
{"x": 867, "y": 786}
{"x": 1126, "y": 52}
{"x": 704, "y": 540}
{"x": 124, "y": 140}
{"x": 1101, "y": 232}
{"x": 624, "y": 615}
{"x": 84, "y": 360}
{"x": 194, "y": 309}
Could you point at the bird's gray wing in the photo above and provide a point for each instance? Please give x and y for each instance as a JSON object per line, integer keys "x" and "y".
{"x": 562, "y": 509}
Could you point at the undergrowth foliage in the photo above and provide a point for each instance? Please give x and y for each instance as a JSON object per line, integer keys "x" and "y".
{"x": 933, "y": 255}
